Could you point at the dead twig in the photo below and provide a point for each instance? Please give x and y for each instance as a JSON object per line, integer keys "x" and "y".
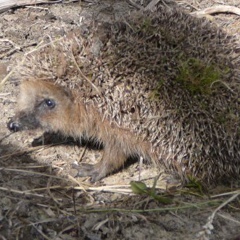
{"x": 131, "y": 2}
{"x": 82, "y": 75}
{"x": 217, "y": 9}
{"x": 8, "y": 4}
{"x": 23, "y": 192}
{"x": 30, "y": 172}
{"x": 39, "y": 230}
{"x": 152, "y": 5}
{"x": 37, "y": 48}
{"x": 58, "y": 204}
{"x": 16, "y": 48}
{"x": 6, "y": 136}
{"x": 229, "y": 218}
{"x": 208, "y": 227}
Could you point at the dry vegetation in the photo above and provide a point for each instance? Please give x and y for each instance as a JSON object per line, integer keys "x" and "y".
{"x": 40, "y": 198}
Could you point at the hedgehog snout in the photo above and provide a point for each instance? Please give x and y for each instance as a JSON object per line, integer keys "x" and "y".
{"x": 13, "y": 126}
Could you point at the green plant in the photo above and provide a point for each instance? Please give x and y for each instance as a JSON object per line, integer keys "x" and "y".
{"x": 197, "y": 76}
{"x": 141, "y": 188}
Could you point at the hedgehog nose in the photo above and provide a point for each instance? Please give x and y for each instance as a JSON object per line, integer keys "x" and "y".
{"x": 13, "y": 126}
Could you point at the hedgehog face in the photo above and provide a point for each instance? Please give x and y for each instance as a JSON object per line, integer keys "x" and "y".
{"x": 41, "y": 105}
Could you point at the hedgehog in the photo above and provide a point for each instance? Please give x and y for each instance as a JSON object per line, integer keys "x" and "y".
{"x": 168, "y": 78}
{"x": 56, "y": 109}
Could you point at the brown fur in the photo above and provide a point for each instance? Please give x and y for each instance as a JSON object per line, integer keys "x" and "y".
{"x": 71, "y": 117}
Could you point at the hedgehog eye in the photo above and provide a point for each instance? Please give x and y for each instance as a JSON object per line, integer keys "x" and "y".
{"x": 50, "y": 103}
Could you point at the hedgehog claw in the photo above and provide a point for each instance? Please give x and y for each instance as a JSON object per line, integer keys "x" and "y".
{"x": 85, "y": 170}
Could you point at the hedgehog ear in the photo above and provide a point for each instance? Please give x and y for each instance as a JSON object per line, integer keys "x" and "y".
{"x": 68, "y": 93}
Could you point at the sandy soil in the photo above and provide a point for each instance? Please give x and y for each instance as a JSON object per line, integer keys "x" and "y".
{"x": 39, "y": 198}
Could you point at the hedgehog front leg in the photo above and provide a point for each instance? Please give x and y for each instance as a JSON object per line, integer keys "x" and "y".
{"x": 113, "y": 158}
